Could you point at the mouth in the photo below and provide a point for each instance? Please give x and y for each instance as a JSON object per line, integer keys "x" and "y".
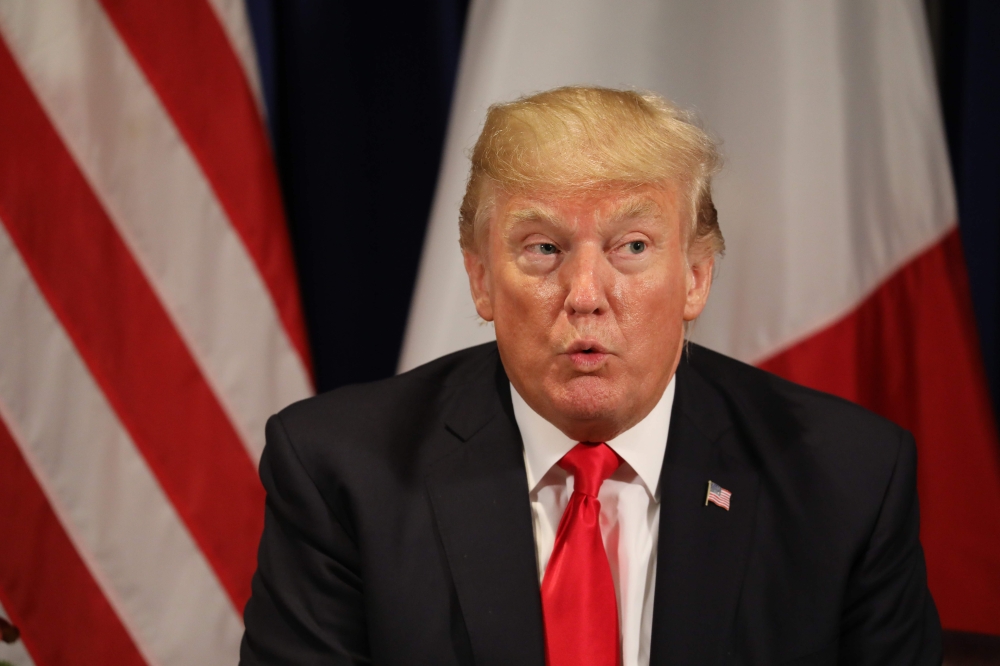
{"x": 586, "y": 347}
{"x": 587, "y": 355}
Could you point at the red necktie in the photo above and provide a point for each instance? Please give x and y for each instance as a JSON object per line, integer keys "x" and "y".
{"x": 578, "y": 593}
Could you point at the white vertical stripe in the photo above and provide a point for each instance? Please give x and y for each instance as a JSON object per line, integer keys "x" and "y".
{"x": 837, "y": 172}
{"x": 162, "y": 205}
{"x": 236, "y": 24}
{"x": 14, "y": 654}
{"x": 111, "y": 506}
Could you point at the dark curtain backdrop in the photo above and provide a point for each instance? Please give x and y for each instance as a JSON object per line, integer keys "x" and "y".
{"x": 358, "y": 96}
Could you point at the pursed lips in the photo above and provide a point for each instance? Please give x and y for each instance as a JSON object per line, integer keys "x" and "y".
{"x": 587, "y": 355}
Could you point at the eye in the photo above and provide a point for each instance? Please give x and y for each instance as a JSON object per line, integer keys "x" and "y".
{"x": 636, "y": 247}
{"x": 546, "y": 248}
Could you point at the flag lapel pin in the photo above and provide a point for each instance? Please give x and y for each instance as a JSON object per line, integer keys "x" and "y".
{"x": 717, "y": 495}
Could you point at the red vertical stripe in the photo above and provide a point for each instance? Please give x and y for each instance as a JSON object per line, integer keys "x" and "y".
{"x": 910, "y": 353}
{"x": 184, "y": 52}
{"x": 126, "y": 338}
{"x": 44, "y": 585}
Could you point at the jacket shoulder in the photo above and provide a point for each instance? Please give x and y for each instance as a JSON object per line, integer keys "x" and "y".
{"x": 776, "y": 400}
{"x": 373, "y": 408}
{"x": 818, "y": 457}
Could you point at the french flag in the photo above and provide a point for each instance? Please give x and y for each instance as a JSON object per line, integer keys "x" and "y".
{"x": 844, "y": 270}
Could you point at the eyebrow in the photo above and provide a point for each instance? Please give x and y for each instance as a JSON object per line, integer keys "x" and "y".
{"x": 532, "y": 214}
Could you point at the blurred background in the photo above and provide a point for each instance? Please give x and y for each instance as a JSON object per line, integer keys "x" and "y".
{"x": 212, "y": 208}
{"x": 357, "y": 96}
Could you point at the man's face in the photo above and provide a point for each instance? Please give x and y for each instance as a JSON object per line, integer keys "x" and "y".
{"x": 589, "y": 294}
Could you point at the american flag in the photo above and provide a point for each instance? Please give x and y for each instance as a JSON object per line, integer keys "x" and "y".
{"x": 149, "y": 324}
{"x": 717, "y": 495}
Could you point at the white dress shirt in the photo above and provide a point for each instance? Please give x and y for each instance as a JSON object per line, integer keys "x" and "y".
{"x": 630, "y": 509}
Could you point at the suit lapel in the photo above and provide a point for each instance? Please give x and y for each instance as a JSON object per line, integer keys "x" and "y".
{"x": 702, "y": 552}
{"x": 480, "y": 498}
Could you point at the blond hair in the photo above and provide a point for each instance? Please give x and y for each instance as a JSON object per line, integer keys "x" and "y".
{"x": 581, "y": 138}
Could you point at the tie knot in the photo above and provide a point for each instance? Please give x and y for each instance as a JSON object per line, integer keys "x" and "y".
{"x": 590, "y": 464}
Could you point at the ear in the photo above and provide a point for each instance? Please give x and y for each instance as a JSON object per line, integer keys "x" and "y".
{"x": 479, "y": 283}
{"x": 699, "y": 284}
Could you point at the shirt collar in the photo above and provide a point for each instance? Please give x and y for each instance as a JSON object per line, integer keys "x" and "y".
{"x": 642, "y": 446}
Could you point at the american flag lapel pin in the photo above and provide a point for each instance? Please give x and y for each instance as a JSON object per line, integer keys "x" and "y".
{"x": 717, "y": 495}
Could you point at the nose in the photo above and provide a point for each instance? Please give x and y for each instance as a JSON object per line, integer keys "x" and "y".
{"x": 586, "y": 274}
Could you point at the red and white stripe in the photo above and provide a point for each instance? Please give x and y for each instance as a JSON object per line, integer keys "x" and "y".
{"x": 843, "y": 268}
{"x": 149, "y": 324}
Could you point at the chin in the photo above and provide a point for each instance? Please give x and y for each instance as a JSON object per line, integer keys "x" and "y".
{"x": 588, "y": 399}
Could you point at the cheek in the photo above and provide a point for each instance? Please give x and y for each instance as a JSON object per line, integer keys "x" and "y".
{"x": 524, "y": 306}
{"x": 651, "y": 306}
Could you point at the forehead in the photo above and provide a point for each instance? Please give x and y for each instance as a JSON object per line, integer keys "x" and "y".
{"x": 606, "y": 205}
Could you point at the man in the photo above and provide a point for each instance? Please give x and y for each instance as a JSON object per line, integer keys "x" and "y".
{"x": 590, "y": 489}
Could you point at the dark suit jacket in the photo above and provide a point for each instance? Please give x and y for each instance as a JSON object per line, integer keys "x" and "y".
{"x": 398, "y": 527}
